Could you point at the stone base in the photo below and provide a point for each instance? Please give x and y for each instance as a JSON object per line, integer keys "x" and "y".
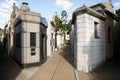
{"x": 28, "y": 65}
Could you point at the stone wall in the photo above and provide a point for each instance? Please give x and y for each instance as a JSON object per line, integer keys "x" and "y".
{"x": 90, "y": 50}
{"x": 109, "y": 23}
{"x": 25, "y": 24}
{"x": 50, "y": 39}
{"x": 117, "y": 42}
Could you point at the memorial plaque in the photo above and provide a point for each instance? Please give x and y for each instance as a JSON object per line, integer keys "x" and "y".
{"x": 32, "y": 39}
{"x": 32, "y": 51}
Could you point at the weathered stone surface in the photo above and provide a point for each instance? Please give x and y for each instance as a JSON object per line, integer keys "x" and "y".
{"x": 25, "y": 24}
{"x": 90, "y": 51}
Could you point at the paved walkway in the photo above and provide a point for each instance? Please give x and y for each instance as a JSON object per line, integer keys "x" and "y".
{"x": 9, "y": 70}
{"x": 107, "y": 71}
{"x": 57, "y": 67}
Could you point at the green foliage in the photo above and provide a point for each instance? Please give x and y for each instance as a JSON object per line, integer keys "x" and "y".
{"x": 64, "y": 17}
{"x": 1, "y": 33}
{"x": 64, "y": 20}
{"x": 69, "y": 26}
{"x": 58, "y": 22}
{"x": 118, "y": 12}
{"x": 61, "y": 23}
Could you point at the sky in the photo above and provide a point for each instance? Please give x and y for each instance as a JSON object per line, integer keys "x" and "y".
{"x": 47, "y": 8}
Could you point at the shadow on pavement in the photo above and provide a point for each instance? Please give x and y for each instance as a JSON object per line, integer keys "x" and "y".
{"x": 65, "y": 53}
{"x": 9, "y": 70}
{"x": 107, "y": 71}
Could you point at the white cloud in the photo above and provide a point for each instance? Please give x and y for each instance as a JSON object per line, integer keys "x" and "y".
{"x": 117, "y": 5}
{"x": 5, "y": 10}
{"x": 65, "y": 4}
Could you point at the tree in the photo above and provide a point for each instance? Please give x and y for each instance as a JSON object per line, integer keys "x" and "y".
{"x": 118, "y": 12}
{"x": 62, "y": 24}
{"x": 64, "y": 17}
{"x": 1, "y": 31}
{"x": 58, "y": 22}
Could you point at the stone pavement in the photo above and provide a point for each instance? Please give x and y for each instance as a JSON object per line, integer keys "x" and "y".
{"x": 107, "y": 71}
{"x": 9, "y": 70}
{"x": 57, "y": 67}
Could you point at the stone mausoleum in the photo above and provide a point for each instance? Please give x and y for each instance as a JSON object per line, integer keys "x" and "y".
{"x": 93, "y": 35}
{"x": 30, "y": 38}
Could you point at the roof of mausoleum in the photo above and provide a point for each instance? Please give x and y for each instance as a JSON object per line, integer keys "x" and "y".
{"x": 85, "y": 9}
{"x": 105, "y": 5}
{"x": 107, "y": 8}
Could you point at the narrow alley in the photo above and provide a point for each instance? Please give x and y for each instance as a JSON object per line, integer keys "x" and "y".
{"x": 57, "y": 67}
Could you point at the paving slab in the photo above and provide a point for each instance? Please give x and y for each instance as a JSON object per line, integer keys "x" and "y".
{"x": 107, "y": 71}
{"x": 9, "y": 70}
{"x": 28, "y": 72}
{"x": 64, "y": 71}
{"x": 46, "y": 71}
{"x": 56, "y": 68}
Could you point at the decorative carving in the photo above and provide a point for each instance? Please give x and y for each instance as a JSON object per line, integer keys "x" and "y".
{"x": 25, "y": 7}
